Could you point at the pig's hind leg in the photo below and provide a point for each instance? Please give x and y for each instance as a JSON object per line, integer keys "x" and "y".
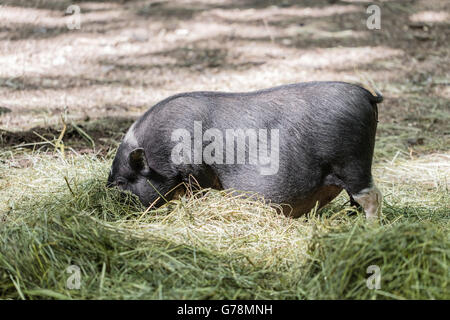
{"x": 357, "y": 180}
{"x": 370, "y": 199}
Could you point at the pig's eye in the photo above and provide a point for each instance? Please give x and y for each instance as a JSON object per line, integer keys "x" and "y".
{"x": 121, "y": 183}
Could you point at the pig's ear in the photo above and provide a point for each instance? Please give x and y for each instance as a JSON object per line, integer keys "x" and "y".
{"x": 138, "y": 160}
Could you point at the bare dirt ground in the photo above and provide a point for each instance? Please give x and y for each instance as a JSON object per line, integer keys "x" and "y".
{"x": 128, "y": 55}
{"x": 68, "y": 95}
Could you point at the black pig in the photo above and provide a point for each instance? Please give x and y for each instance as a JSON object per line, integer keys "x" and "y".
{"x": 321, "y": 141}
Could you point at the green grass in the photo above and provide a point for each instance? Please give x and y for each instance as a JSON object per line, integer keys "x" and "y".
{"x": 218, "y": 246}
{"x": 55, "y": 211}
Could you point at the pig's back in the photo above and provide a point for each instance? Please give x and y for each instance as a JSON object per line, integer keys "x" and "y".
{"x": 336, "y": 112}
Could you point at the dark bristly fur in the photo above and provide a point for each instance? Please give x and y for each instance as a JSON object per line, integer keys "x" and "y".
{"x": 327, "y": 136}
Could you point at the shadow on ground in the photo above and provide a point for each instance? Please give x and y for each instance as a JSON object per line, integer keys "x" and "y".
{"x": 101, "y": 136}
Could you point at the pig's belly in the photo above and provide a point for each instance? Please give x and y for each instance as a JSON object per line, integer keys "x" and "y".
{"x": 322, "y": 195}
{"x": 293, "y": 207}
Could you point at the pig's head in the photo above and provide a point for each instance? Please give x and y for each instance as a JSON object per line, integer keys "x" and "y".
{"x": 131, "y": 172}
